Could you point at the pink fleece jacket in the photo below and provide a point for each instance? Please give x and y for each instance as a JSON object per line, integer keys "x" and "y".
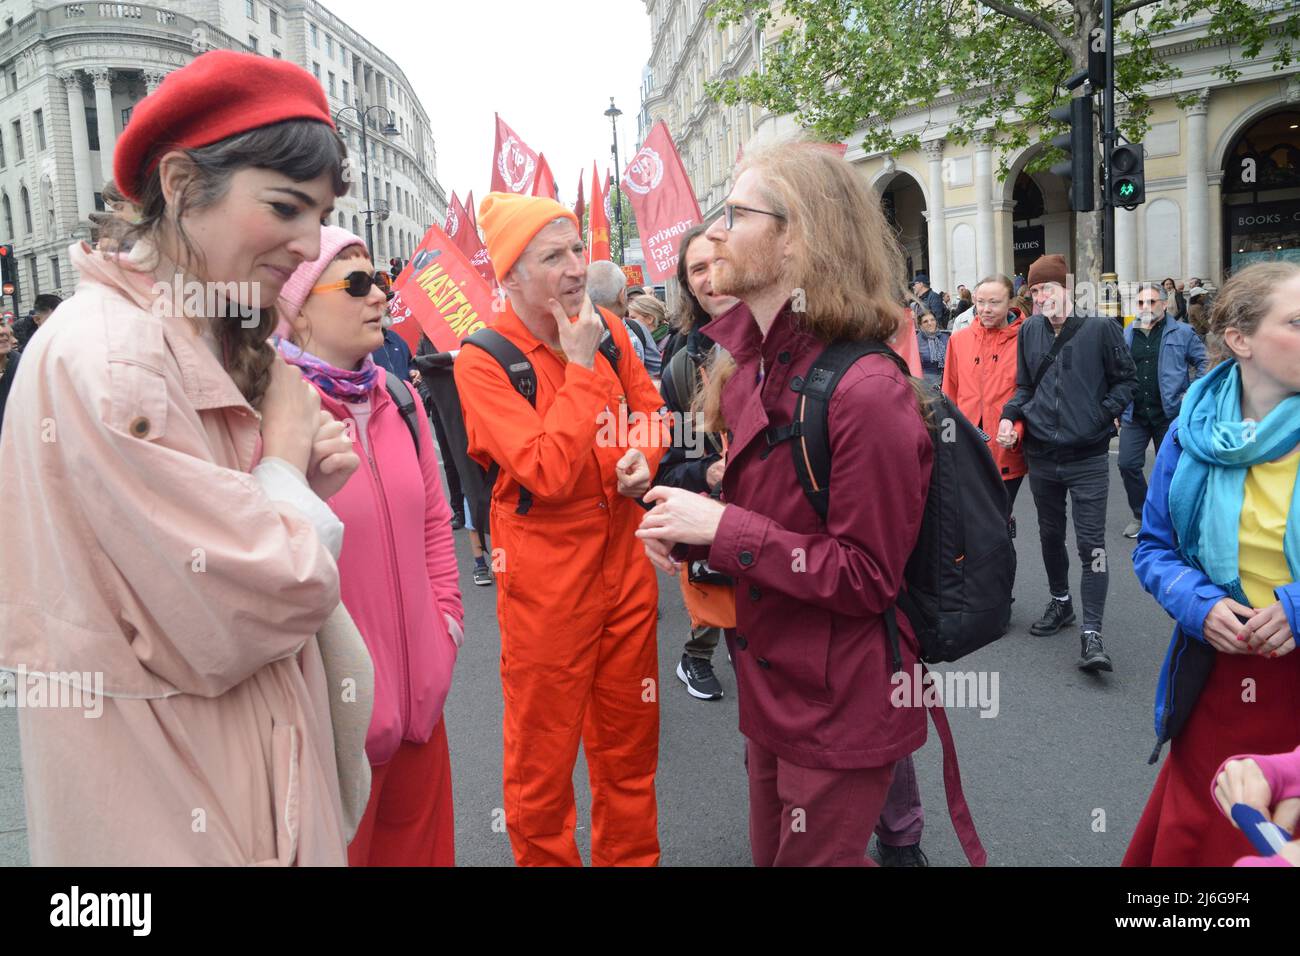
{"x": 398, "y": 573}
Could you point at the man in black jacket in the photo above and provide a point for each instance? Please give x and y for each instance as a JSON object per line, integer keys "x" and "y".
{"x": 1074, "y": 378}
{"x": 928, "y": 300}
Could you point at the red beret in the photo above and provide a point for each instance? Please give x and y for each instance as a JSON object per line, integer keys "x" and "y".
{"x": 218, "y": 95}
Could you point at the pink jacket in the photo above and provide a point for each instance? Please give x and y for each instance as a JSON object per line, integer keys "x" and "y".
{"x": 141, "y": 555}
{"x": 398, "y": 572}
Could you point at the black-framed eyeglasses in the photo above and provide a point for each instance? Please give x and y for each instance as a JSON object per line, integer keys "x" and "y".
{"x": 729, "y": 213}
{"x": 358, "y": 284}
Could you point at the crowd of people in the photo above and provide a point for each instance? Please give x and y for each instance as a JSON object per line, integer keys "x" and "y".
{"x": 234, "y": 514}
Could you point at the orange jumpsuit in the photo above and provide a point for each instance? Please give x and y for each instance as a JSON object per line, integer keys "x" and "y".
{"x": 577, "y": 599}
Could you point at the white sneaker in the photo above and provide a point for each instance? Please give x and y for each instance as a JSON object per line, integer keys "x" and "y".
{"x": 1132, "y": 528}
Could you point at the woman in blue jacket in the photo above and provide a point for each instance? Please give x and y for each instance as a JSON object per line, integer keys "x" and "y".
{"x": 1220, "y": 550}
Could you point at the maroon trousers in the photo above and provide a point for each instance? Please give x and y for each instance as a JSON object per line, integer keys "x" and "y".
{"x": 804, "y": 816}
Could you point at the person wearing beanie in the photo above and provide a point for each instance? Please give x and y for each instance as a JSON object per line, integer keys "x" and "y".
{"x": 577, "y": 598}
{"x": 183, "y": 560}
{"x": 397, "y": 570}
{"x": 1074, "y": 378}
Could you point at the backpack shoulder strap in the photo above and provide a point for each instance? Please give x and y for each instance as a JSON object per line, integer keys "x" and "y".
{"x": 520, "y": 371}
{"x": 634, "y": 327}
{"x": 811, "y": 426}
{"x": 522, "y": 376}
{"x": 682, "y": 372}
{"x": 1068, "y": 331}
{"x": 401, "y": 396}
{"x": 609, "y": 348}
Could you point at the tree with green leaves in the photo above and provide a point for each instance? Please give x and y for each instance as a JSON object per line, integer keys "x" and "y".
{"x": 843, "y": 66}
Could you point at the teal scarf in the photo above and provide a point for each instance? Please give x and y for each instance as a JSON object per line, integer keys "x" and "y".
{"x": 1209, "y": 484}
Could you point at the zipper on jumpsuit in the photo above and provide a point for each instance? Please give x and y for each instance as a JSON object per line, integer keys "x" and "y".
{"x": 403, "y": 697}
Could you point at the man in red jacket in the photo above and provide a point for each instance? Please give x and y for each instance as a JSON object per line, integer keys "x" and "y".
{"x": 810, "y": 647}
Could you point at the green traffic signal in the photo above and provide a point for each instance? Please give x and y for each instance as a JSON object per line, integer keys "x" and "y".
{"x": 1126, "y": 189}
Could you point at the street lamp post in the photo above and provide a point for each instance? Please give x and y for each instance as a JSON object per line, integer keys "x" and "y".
{"x": 390, "y": 129}
{"x": 614, "y": 113}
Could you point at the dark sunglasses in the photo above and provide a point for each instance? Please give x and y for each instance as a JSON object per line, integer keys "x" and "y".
{"x": 358, "y": 284}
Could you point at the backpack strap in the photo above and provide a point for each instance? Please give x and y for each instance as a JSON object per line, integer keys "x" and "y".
{"x": 609, "y": 348}
{"x": 401, "y": 396}
{"x": 811, "y": 425}
{"x": 1068, "y": 331}
{"x": 958, "y": 808}
{"x": 523, "y": 377}
{"x": 634, "y": 327}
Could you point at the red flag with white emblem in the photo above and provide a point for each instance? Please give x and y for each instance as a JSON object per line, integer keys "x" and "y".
{"x": 662, "y": 198}
{"x": 514, "y": 165}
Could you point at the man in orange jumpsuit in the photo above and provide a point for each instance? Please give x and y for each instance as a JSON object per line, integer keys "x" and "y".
{"x": 577, "y": 598}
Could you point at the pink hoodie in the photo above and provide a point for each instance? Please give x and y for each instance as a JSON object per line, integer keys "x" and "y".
{"x": 398, "y": 574}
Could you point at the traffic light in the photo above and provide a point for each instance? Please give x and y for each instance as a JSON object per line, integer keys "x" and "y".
{"x": 8, "y": 264}
{"x": 1127, "y": 185}
{"x": 1077, "y": 169}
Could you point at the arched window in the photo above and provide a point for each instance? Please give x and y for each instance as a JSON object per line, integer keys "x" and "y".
{"x": 392, "y": 242}
{"x": 356, "y": 226}
{"x": 9, "y": 217}
{"x": 27, "y": 209}
{"x": 342, "y": 221}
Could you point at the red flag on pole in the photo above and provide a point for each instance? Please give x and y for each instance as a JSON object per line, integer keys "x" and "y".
{"x": 455, "y": 213}
{"x": 514, "y": 165}
{"x": 472, "y": 210}
{"x": 466, "y": 238}
{"x": 662, "y": 198}
{"x": 581, "y": 205}
{"x": 441, "y": 294}
{"x": 598, "y": 222}
{"x": 544, "y": 182}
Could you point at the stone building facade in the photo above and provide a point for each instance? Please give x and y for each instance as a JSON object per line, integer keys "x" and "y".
{"x": 1222, "y": 173}
{"x": 71, "y": 73}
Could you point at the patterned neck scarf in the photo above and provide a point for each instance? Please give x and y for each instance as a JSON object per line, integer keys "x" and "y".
{"x": 344, "y": 385}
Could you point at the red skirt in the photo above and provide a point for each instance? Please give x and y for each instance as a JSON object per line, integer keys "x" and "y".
{"x": 1182, "y": 824}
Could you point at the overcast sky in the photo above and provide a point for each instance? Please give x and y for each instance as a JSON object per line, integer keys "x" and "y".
{"x": 549, "y": 69}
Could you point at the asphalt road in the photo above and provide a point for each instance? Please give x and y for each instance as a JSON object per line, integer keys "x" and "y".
{"x": 1057, "y": 777}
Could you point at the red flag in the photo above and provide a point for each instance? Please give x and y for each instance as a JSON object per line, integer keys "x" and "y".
{"x": 598, "y": 222}
{"x": 662, "y": 199}
{"x": 514, "y": 165}
{"x": 581, "y": 205}
{"x": 465, "y": 237}
{"x": 472, "y": 210}
{"x": 440, "y": 294}
{"x": 455, "y": 213}
{"x": 544, "y": 182}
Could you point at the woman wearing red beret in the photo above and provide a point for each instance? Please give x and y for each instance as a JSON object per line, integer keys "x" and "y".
{"x": 169, "y": 558}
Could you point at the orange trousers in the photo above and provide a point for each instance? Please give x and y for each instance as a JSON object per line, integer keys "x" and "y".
{"x": 578, "y": 605}
{"x": 409, "y": 819}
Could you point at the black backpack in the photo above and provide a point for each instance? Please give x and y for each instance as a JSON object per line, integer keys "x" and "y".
{"x": 524, "y": 379}
{"x": 959, "y": 576}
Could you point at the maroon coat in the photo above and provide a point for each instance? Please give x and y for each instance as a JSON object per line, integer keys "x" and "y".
{"x": 810, "y": 647}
